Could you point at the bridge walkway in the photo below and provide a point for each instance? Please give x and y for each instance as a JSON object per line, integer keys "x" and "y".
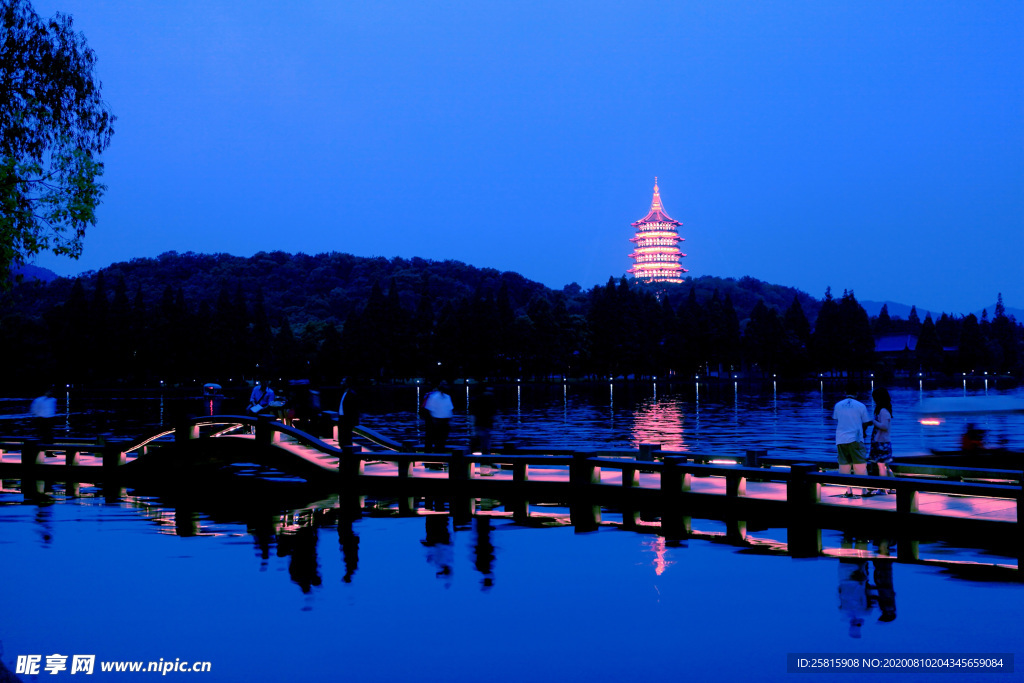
{"x": 325, "y": 456}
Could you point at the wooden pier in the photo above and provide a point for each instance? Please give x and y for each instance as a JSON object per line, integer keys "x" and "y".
{"x": 644, "y": 487}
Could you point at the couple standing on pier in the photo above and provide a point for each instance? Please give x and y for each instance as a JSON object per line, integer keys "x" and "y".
{"x": 852, "y": 422}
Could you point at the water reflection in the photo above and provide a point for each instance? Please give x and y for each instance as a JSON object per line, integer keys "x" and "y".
{"x": 382, "y": 562}
{"x": 483, "y": 552}
{"x": 657, "y": 546}
{"x": 299, "y": 544}
{"x": 858, "y": 596}
{"x": 438, "y": 543}
{"x": 662, "y": 423}
{"x": 348, "y": 540}
{"x": 853, "y": 590}
{"x": 884, "y": 592}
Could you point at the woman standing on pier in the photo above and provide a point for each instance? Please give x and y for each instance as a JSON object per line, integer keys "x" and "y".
{"x": 881, "y": 443}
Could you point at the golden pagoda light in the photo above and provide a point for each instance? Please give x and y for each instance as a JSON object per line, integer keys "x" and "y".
{"x": 656, "y": 252}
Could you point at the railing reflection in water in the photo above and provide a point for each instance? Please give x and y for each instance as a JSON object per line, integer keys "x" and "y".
{"x": 295, "y": 534}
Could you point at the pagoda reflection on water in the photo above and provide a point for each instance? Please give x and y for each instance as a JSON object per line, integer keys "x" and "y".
{"x": 656, "y": 252}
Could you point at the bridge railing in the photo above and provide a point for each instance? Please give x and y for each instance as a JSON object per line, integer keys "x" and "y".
{"x": 676, "y": 470}
{"x": 803, "y": 481}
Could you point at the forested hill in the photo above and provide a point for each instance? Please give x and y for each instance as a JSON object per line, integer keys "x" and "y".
{"x": 295, "y": 287}
{"x": 182, "y": 316}
{"x": 330, "y": 287}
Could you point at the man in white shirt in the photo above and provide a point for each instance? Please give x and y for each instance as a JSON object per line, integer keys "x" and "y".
{"x": 44, "y": 410}
{"x": 852, "y": 420}
{"x": 440, "y": 408}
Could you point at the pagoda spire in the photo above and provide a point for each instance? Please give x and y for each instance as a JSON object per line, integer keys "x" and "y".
{"x": 656, "y": 200}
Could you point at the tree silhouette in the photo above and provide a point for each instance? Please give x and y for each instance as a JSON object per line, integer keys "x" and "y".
{"x": 54, "y": 125}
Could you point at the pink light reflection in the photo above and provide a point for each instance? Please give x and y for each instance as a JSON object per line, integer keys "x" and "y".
{"x": 656, "y": 545}
{"x": 660, "y": 423}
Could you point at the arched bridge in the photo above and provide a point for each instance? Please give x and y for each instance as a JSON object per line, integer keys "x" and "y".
{"x": 219, "y": 440}
{"x": 207, "y": 442}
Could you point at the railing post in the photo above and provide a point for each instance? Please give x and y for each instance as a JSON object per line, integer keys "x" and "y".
{"x": 735, "y": 484}
{"x": 582, "y": 472}
{"x": 113, "y": 456}
{"x": 406, "y": 506}
{"x": 630, "y": 480}
{"x": 753, "y": 458}
{"x": 675, "y": 483}
{"x": 908, "y": 550}
{"x": 736, "y": 531}
{"x": 802, "y": 535}
{"x": 185, "y": 431}
{"x": 630, "y": 476}
{"x": 801, "y": 491}
{"x": 906, "y": 499}
{"x": 460, "y": 471}
{"x": 518, "y": 504}
{"x": 674, "y": 480}
{"x": 32, "y": 489}
{"x": 460, "y": 468}
{"x": 72, "y": 457}
{"x": 405, "y": 467}
{"x": 350, "y": 506}
{"x": 803, "y": 540}
{"x": 350, "y": 464}
{"x": 263, "y": 435}
{"x": 406, "y": 503}
{"x": 31, "y": 456}
{"x": 584, "y": 514}
{"x": 647, "y": 451}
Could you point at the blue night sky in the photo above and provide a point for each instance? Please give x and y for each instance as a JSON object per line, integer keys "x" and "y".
{"x": 873, "y": 146}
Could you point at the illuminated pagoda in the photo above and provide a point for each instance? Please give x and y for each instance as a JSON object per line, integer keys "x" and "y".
{"x": 657, "y": 253}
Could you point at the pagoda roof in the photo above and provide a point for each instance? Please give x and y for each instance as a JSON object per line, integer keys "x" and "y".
{"x": 657, "y": 213}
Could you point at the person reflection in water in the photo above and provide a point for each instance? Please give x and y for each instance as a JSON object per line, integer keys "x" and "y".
{"x": 439, "y": 547}
{"x": 304, "y": 567}
{"x": 348, "y": 539}
{"x": 882, "y": 593}
{"x": 853, "y": 587}
{"x": 483, "y": 552}
{"x": 262, "y": 531}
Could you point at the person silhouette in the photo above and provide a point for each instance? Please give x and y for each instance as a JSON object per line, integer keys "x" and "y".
{"x": 44, "y": 411}
{"x": 348, "y": 413}
{"x": 438, "y": 405}
{"x": 883, "y": 593}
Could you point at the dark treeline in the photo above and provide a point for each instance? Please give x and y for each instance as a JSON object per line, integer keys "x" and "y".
{"x": 184, "y": 318}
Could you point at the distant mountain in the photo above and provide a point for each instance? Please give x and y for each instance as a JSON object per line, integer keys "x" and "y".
{"x": 29, "y": 272}
{"x": 330, "y": 287}
{"x": 898, "y": 310}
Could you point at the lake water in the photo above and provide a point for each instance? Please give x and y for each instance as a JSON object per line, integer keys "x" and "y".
{"x": 265, "y": 591}
{"x": 725, "y": 419}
